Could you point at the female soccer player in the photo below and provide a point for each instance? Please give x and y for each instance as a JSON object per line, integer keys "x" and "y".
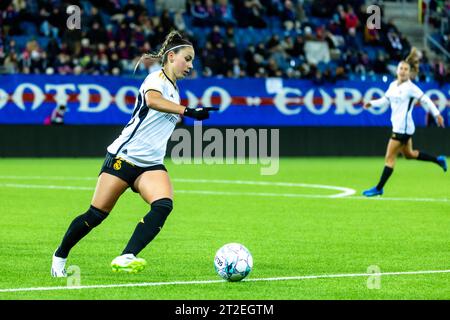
{"x": 135, "y": 159}
{"x": 401, "y": 95}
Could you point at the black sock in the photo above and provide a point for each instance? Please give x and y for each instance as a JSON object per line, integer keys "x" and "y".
{"x": 149, "y": 226}
{"x": 387, "y": 171}
{"x": 426, "y": 157}
{"x": 80, "y": 227}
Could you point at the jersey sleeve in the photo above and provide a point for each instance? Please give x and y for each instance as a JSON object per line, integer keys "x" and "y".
{"x": 415, "y": 92}
{"x": 424, "y": 100}
{"x": 153, "y": 82}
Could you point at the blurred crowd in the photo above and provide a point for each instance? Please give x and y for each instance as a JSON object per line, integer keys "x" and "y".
{"x": 321, "y": 40}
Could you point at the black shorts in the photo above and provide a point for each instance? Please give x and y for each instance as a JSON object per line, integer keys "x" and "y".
{"x": 125, "y": 170}
{"x": 402, "y": 137}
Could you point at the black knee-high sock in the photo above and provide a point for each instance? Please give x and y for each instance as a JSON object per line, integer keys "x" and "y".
{"x": 387, "y": 171}
{"x": 149, "y": 226}
{"x": 80, "y": 227}
{"x": 426, "y": 157}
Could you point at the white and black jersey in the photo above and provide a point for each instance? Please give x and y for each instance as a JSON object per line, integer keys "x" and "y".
{"x": 143, "y": 141}
{"x": 402, "y": 98}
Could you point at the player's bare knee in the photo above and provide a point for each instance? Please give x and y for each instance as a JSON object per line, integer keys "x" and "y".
{"x": 389, "y": 161}
{"x": 409, "y": 155}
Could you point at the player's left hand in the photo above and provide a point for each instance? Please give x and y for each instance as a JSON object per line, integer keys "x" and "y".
{"x": 440, "y": 121}
{"x": 199, "y": 113}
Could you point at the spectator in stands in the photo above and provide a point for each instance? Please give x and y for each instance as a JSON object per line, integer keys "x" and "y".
{"x": 249, "y": 14}
{"x": 215, "y": 36}
{"x": 221, "y": 61}
{"x": 210, "y": 8}
{"x": 94, "y": 17}
{"x": 225, "y": 15}
{"x": 351, "y": 20}
{"x": 287, "y": 45}
{"x": 123, "y": 33}
{"x": 250, "y": 57}
{"x": 11, "y": 63}
{"x": 288, "y": 15}
{"x": 371, "y": 36}
{"x": 440, "y": 72}
{"x": 180, "y": 23}
{"x": 138, "y": 36}
{"x": 273, "y": 70}
{"x": 379, "y": 65}
{"x": 63, "y": 64}
{"x": 235, "y": 70}
{"x": 394, "y": 45}
{"x": 130, "y": 18}
{"x": 11, "y": 21}
{"x": 207, "y": 57}
{"x": 98, "y": 34}
{"x": 166, "y": 21}
{"x": 199, "y": 14}
{"x": 231, "y": 51}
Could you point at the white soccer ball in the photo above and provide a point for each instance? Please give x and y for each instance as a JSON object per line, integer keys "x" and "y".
{"x": 233, "y": 262}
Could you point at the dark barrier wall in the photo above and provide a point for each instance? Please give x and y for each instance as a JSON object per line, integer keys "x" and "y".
{"x": 91, "y": 141}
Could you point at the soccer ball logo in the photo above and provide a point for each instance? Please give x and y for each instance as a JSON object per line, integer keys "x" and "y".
{"x": 233, "y": 262}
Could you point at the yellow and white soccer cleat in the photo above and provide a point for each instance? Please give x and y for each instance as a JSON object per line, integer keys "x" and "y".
{"x": 128, "y": 263}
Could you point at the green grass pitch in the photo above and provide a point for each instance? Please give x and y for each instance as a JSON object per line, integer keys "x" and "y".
{"x": 291, "y": 230}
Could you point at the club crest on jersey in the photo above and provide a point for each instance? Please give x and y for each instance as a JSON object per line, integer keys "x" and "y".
{"x": 117, "y": 165}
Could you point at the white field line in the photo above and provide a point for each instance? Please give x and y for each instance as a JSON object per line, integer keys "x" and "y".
{"x": 231, "y": 193}
{"x": 201, "y": 282}
{"x": 344, "y": 192}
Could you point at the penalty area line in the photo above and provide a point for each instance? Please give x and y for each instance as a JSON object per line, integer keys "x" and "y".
{"x": 202, "y": 282}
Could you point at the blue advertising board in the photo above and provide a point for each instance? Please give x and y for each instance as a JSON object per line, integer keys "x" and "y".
{"x": 102, "y": 100}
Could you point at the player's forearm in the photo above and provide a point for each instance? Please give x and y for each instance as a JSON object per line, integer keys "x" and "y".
{"x": 382, "y": 102}
{"x": 429, "y": 105}
{"x": 164, "y": 105}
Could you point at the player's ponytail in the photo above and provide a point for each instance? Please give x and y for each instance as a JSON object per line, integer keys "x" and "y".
{"x": 413, "y": 59}
{"x": 174, "y": 41}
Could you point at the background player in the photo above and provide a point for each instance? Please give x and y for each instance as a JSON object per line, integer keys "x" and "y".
{"x": 135, "y": 159}
{"x": 401, "y": 96}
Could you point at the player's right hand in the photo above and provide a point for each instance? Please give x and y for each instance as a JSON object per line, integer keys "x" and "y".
{"x": 199, "y": 113}
{"x": 440, "y": 121}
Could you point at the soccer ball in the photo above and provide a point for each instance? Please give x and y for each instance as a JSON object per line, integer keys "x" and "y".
{"x": 233, "y": 262}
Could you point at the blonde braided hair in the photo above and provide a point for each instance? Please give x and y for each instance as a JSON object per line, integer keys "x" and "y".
{"x": 173, "y": 40}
